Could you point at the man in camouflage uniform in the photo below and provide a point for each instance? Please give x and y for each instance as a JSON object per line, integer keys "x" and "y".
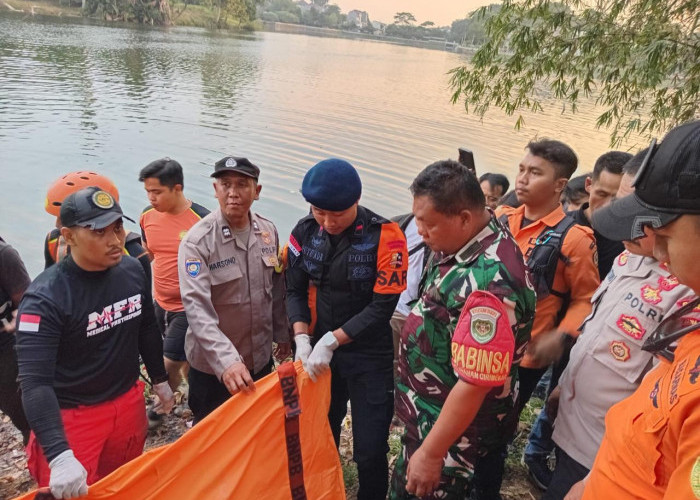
{"x": 462, "y": 342}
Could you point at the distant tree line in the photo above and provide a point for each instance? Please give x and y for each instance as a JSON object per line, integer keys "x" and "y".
{"x": 320, "y": 14}
{"x": 160, "y": 12}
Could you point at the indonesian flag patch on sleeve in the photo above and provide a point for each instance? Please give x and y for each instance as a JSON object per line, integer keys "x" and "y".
{"x": 29, "y": 323}
{"x": 483, "y": 342}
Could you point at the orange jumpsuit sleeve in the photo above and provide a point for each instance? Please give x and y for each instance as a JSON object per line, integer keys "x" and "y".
{"x": 392, "y": 260}
{"x": 580, "y": 277}
{"x": 685, "y": 479}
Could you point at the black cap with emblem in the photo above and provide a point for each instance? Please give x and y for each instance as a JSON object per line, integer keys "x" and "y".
{"x": 666, "y": 186}
{"x": 236, "y": 165}
{"x": 92, "y": 208}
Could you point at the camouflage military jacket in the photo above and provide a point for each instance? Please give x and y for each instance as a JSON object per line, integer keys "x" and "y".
{"x": 491, "y": 262}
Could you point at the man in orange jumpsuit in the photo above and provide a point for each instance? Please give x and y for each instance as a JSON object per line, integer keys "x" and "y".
{"x": 651, "y": 447}
{"x": 562, "y": 258}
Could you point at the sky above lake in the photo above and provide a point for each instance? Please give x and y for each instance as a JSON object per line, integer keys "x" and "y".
{"x": 441, "y": 12}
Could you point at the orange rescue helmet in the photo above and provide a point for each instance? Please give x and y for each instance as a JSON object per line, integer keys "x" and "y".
{"x": 72, "y": 182}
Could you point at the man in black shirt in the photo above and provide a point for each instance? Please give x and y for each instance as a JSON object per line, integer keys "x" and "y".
{"x": 81, "y": 327}
{"x": 602, "y": 187}
{"x": 14, "y": 280}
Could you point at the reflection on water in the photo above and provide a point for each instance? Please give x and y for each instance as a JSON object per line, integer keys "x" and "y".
{"x": 77, "y": 96}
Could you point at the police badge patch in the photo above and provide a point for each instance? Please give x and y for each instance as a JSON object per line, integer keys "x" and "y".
{"x": 619, "y": 350}
{"x": 651, "y": 295}
{"x": 483, "y": 324}
{"x": 631, "y": 326}
{"x": 193, "y": 267}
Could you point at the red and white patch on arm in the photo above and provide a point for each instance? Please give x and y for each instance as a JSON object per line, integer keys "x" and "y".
{"x": 29, "y": 323}
{"x": 483, "y": 342}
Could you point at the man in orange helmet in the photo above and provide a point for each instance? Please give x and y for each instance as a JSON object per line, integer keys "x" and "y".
{"x": 55, "y": 246}
{"x": 81, "y": 327}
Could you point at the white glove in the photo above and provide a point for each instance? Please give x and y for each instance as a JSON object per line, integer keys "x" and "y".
{"x": 303, "y": 342}
{"x": 320, "y": 357}
{"x": 68, "y": 476}
{"x": 166, "y": 399}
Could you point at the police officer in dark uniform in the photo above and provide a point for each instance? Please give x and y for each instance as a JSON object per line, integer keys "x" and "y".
{"x": 357, "y": 263}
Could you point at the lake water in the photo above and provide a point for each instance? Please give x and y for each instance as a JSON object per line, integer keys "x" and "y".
{"x": 76, "y": 96}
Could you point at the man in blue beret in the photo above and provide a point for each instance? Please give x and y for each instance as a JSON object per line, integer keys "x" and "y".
{"x": 354, "y": 262}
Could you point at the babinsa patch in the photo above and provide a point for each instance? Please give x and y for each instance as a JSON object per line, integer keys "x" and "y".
{"x": 483, "y": 324}
{"x": 193, "y": 267}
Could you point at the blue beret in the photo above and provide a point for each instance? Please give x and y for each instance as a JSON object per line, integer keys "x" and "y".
{"x": 332, "y": 184}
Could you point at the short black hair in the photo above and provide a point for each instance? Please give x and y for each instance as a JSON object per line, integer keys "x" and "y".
{"x": 612, "y": 162}
{"x": 635, "y": 162}
{"x": 167, "y": 171}
{"x": 574, "y": 188}
{"x": 559, "y": 154}
{"x": 496, "y": 180}
{"x": 510, "y": 199}
{"x": 451, "y": 186}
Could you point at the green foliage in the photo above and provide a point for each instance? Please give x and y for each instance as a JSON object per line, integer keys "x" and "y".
{"x": 236, "y": 13}
{"x": 330, "y": 17}
{"x": 282, "y": 6}
{"x": 637, "y": 58}
{"x": 158, "y": 12}
{"x": 472, "y": 29}
{"x": 414, "y": 32}
{"x": 288, "y": 17}
{"x": 146, "y": 12}
{"x": 405, "y": 18}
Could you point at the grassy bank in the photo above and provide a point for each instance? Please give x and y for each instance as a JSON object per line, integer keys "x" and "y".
{"x": 183, "y": 15}
{"x": 41, "y": 8}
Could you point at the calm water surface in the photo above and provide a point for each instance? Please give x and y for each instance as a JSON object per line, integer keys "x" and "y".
{"x": 111, "y": 99}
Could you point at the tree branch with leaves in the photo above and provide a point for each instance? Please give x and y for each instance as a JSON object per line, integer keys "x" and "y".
{"x": 637, "y": 58}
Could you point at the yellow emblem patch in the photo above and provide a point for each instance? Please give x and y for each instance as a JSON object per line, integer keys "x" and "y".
{"x": 695, "y": 478}
{"x": 103, "y": 199}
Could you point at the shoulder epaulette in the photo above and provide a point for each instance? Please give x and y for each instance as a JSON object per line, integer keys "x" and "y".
{"x": 199, "y": 210}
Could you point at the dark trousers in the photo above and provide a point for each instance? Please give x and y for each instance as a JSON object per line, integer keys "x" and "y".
{"x": 529, "y": 377}
{"x": 207, "y": 392}
{"x": 10, "y": 398}
{"x": 540, "y": 442}
{"x": 566, "y": 473}
{"x": 488, "y": 475}
{"x": 372, "y": 406}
